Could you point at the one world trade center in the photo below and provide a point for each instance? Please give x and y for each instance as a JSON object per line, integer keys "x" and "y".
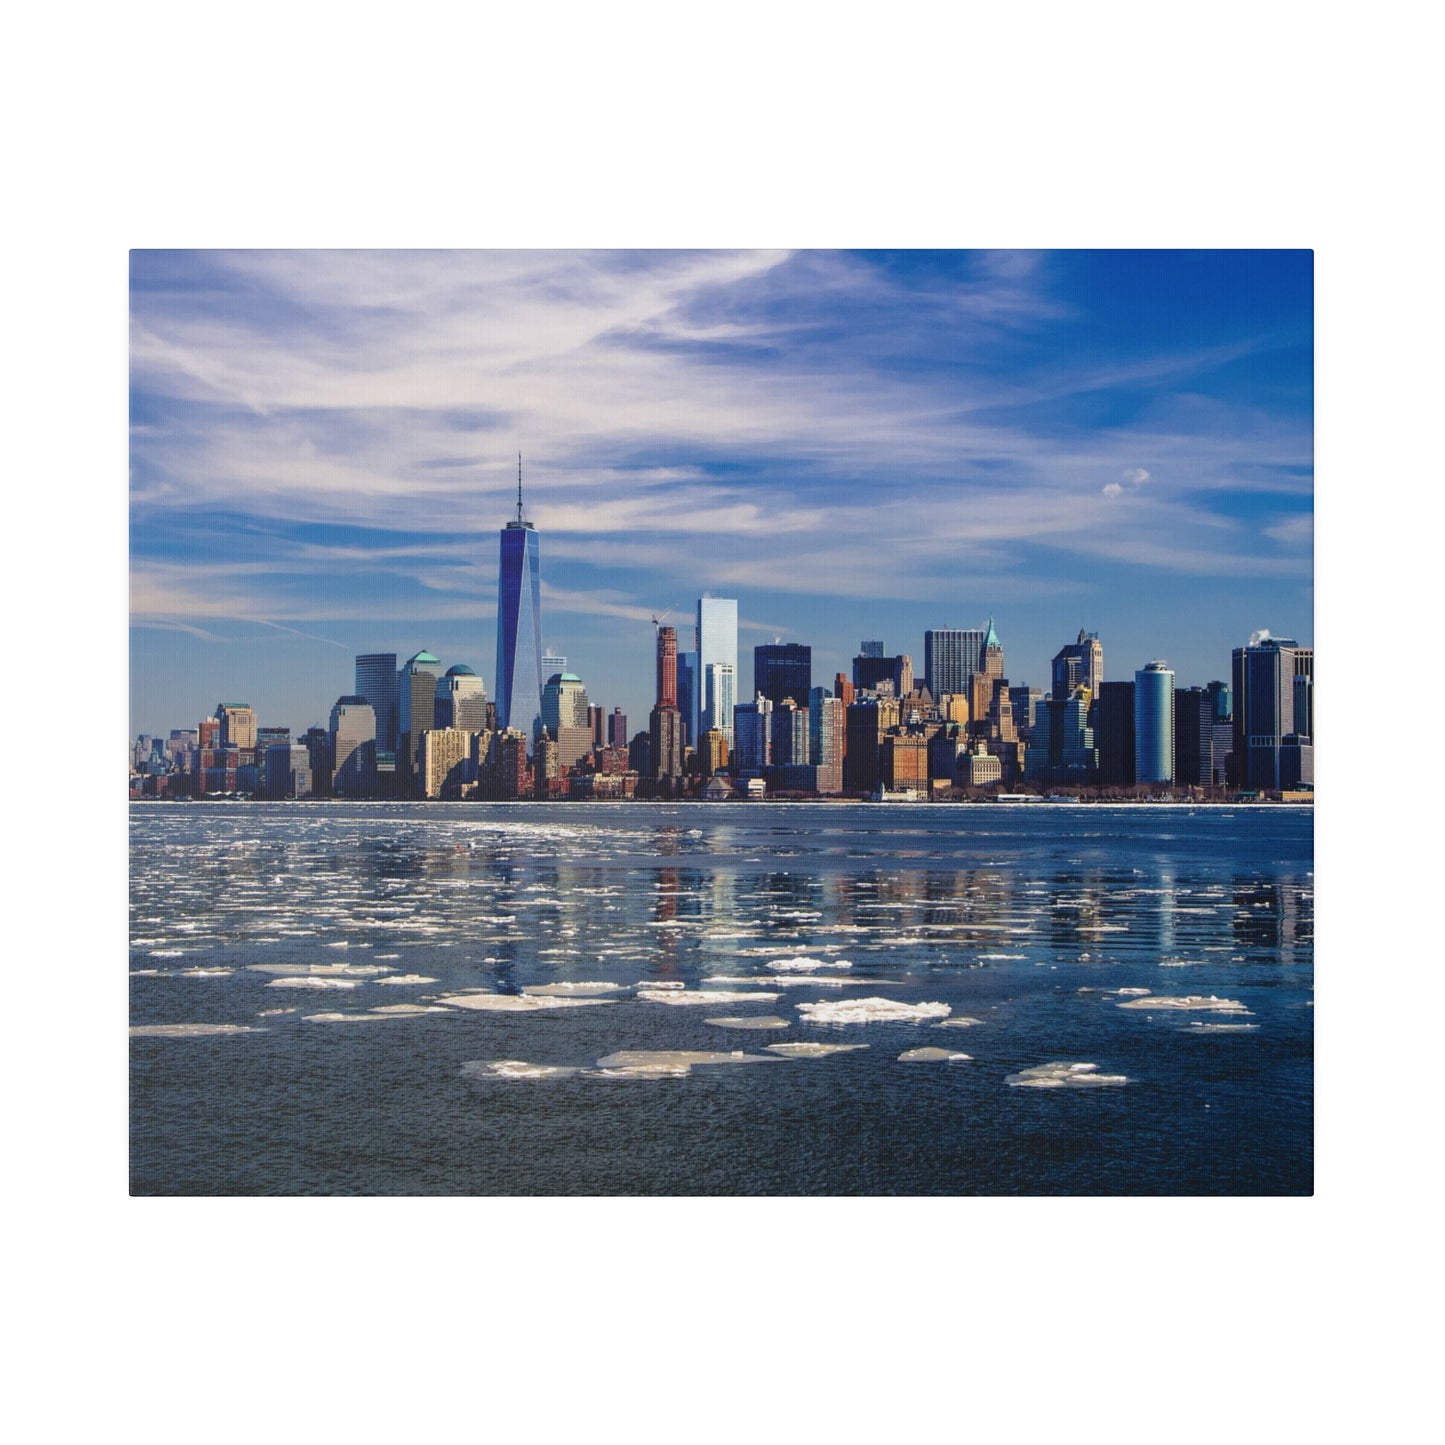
{"x": 519, "y": 625}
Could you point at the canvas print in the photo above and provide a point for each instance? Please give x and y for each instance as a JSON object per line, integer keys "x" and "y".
{"x": 721, "y": 723}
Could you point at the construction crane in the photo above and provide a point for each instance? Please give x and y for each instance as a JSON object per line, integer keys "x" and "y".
{"x": 658, "y": 621}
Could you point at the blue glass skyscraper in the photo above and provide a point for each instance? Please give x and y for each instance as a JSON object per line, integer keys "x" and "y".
{"x": 519, "y": 624}
{"x": 1154, "y": 724}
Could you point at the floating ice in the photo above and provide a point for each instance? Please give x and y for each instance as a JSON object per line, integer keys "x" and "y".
{"x": 930, "y": 1056}
{"x": 312, "y": 981}
{"x": 148, "y": 973}
{"x": 806, "y": 965}
{"x": 407, "y": 978}
{"x": 321, "y": 970}
{"x": 204, "y": 973}
{"x": 765, "y": 1021}
{"x": 1123, "y": 991}
{"x": 1002, "y": 957}
{"x": 669, "y": 1063}
{"x": 663, "y": 983}
{"x": 803, "y": 980}
{"x": 514, "y": 1002}
{"x": 1062, "y": 1076}
{"x": 872, "y": 1010}
{"x": 376, "y": 1015}
{"x": 701, "y": 995}
{"x": 812, "y": 1051}
{"x": 270, "y": 1013}
{"x": 1193, "y": 1002}
{"x": 167, "y": 952}
{"x": 1203, "y": 1027}
{"x": 513, "y": 1069}
{"x": 190, "y": 1031}
{"x": 570, "y": 990}
{"x": 963, "y": 1021}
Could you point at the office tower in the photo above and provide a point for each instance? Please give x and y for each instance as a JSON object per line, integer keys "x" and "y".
{"x": 461, "y": 700}
{"x": 519, "y": 624}
{"x": 1115, "y": 734}
{"x": 1296, "y": 763}
{"x": 718, "y": 699}
{"x": 688, "y": 700}
{"x": 1079, "y": 664}
{"x": 712, "y": 751}
{"x": 869, "y": 720}
{"x": 416, "y": 690}
{"x": 753, "y": 733}
{"x": 268, "y": 737}
{"x": 1264, "y": 696}
{"x": 552, "y": 662}
{"x": 546, "y": 763}
{"x": 564, "y": 716}
{"x": 317, "y": 742}
{"x": 353, "y": 747}
{"x": 1025, "y": 702}
{"x": 827, "y": 739}
{"x": 783, "y": 669}
{"x": 843, "y": 688}
{"x": 1077, "y": 753}
{"x": 870, "y": 649}
{"x": 790, "y": 734}
{"x": 376, "y": 682}
{"x": 1154, "y": 724}
{"x": 617, "y": 729}
{"x": 287, "y": 771}
{"x": 1194, "y": 737}
{"x": 884, "y": 674}
{"x": 950, "y": 658}
{"x": 597, "y": 725}
{"x": 509, "y": 758}
{"x": 238, "y": 724}
{"x": 717, "y": 646}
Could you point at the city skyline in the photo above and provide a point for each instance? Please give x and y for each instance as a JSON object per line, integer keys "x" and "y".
{"x": 854, "y": 446}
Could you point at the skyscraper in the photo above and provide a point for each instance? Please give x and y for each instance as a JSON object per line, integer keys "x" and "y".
{"x": 950, "y": 658}
{"x": 376, "y": 682}
{"x": 461, "y": 700}
{"x": 718, "y": 699}
{"x": 1154, "y": 724}
{"x": 353, "y": 747}
{"x": 519, "y": 624}
{"x": 564, "y": 714}
{"x": 1078, "y": 664}
{"x": 783, "y": 669}
{"x": 1273, "y": 678}
{"x": 717, "y": 646}
{"x": 416, "y": 692}
{"x": 665, "y": 721}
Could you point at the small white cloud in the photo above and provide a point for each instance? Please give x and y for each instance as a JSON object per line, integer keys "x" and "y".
{"x": 1113, "y": 490}
{"x": 1136, "y": 476}
{"x": 1129, "y": 480}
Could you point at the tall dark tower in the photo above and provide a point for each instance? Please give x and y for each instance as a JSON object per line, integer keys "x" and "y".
{"x": 519, "y": 624}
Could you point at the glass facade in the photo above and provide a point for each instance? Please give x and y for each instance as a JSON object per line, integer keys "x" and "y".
{"x": 1154, "y": 724}
{"x": 717, "y": 646}
{"x": 519, "y": 630}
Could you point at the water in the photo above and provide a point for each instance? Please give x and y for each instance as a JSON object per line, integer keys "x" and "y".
{"x": 262, "y": 936}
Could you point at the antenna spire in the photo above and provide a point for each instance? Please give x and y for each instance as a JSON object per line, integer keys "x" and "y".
{"x": 519, "y": 486}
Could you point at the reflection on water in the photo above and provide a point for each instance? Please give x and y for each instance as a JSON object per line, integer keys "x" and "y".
{"x": 1024, "y": 919}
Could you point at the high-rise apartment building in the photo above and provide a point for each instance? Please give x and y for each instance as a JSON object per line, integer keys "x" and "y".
{"x": 783, "y": 669}
{"x": 617, "y": 729}
{"x": 1154, "y": 724}
{"x": 717, "y": 646}
{"x": 666, "y": 695}
{"x": 519, "y": 624}
{"x": 376, "y": 682}
{"x": 827, "y": 739}
{"x": 753, "y": 734}
{"x": 445, "y": 763}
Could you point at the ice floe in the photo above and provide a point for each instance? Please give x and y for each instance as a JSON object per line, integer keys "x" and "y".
{"x": 514, "y": 1069}
{"x": 872, "y": 1010}
{"x": 669, "y": 1063}
{"x": 514, "y": 1002}
{"x": 406, "y": 978}
{"x": 375, "y": 1015}
{"x": 1202, "y": 1027}
{"x": 930, "y": 1056}
{"x": 701, "y": 995}
{"x": 963, "y": 1021}
{"x": 190, "y": 1031}
{"x": 764, "y": 1021}
{"x": 1063, "y": 1076}
{"x": 321, "y": 970}
{"x": 803, "y": 964}
{"x": 204, "y": 972}
{"x": 804, "y": 980}
{"x": 812, "y": 1051}
{"x": 313, "y": 981}
{"x": 1193, "y": 1002}
{"x": 570, "y": 990}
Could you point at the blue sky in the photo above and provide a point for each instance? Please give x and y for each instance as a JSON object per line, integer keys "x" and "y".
{"x": 854, "y": 445}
